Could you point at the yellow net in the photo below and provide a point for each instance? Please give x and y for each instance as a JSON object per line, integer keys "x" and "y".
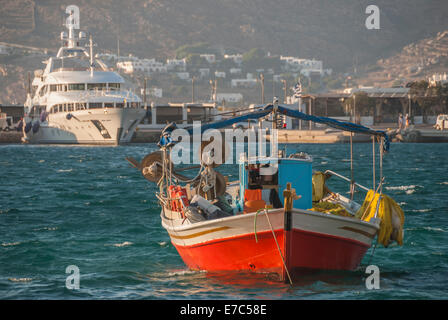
{"x": 330, "y": 208}
{"x": 390, "y": 213}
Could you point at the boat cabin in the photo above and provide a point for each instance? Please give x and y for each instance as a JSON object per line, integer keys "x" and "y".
{"x": 262, "y": 181}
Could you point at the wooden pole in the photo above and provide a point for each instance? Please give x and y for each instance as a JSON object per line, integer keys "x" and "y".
{"x": 262, "y": 88}
{"x": 352, "y": 178}
{"x": 288, "y": 198}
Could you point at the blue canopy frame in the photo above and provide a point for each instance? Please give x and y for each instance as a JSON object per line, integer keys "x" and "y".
{"x": 263, "y": 111}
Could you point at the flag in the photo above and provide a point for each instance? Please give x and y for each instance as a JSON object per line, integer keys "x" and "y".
{"x": 298, "y": 90}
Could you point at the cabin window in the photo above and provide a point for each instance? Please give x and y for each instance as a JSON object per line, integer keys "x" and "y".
{"x": 108, "y": 105}
{"x": 95, "y": 105}
{"x": 114, "y": 86}
{"x": 198, "y": 114}
{"x": 258, "y": 181}
{"x": 96, "y": 86}
{"x": 53, "y": 87}
{"x": 76, "y": 87}
{"x": 168, "y": 114}
{"x": 70, "y": 107}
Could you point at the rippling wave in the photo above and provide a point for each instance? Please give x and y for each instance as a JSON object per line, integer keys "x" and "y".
{"x": 87, "y": 207}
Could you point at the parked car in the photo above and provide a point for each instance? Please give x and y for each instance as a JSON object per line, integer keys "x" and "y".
{"x": 441, "y": 122}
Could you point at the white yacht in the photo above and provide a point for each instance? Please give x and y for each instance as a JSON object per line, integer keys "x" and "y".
{"x": 76, "y": 99}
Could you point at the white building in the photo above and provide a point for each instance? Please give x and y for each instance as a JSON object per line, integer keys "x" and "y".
{"x": 179, "y": 64}
{"x": 243, "y": 83}
{"x": 220, "y": 74}
{"x": 183, "y": 75}
{"x": 143, "y": 65}
{"x": 438, "y": 78}
{"x": 379, "y": 91}
{"x": 204, "y": 72}
{"x": 229, "y": 97}
{"x": 211, "y": 58}
{"x": 153, "y": 92}
{"x": 237, "y": 58}
{"x": 305, "y": 66}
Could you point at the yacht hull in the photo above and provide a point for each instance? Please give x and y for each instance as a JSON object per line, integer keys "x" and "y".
{"x": 105, "y": 126}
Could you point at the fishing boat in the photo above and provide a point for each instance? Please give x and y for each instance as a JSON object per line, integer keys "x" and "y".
{"x": 279, "y": 217}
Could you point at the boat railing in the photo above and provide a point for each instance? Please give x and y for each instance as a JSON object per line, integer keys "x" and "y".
{"x": 346, "y": 179}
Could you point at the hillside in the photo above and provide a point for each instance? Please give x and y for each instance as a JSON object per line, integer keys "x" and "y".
{"x": 328, "y": 30}
{"x": 323, "y": 29}
{"x": 418, "y": 60}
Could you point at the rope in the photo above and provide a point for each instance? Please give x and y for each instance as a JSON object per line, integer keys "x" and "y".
{"x": 275, "y": 239}
{"x": 352, "y": 178}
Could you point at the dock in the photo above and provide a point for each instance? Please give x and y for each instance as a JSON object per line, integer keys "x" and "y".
{"x": 9, "y": 137}
{"x": 319, "y": 136}
{"x": 412, "y": 135}
{"x": 419, "y": 135}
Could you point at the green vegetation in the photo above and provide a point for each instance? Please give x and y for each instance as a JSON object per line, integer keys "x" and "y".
{"x": 192, "y": 49}
{"x": 431, "y": 99}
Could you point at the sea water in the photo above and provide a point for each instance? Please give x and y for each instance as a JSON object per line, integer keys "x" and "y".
{"x": 86, "y": 207}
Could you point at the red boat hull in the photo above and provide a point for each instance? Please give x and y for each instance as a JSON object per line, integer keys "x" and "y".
{"x": 232, "y": 246}
{"x": 308, "y": 250}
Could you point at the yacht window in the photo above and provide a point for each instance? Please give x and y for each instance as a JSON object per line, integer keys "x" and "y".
{"x": 114, "y": 86}
{"x": 76, "y": 86}
{"x": 70, "y": 107}
{"x": 95, "y": 105}
{"x": 53, "y": 87}
{"x": 80, "y": 106}
{"x": 119, "y": 105}
{"x": 62, "y": 87}
{"x": 108, "y": 105}
{"x": 96, "y": 86}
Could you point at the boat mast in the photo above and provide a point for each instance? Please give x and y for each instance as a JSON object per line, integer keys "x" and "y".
{"x": 71, "y": 34}
{"x": 91, "y": 55}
